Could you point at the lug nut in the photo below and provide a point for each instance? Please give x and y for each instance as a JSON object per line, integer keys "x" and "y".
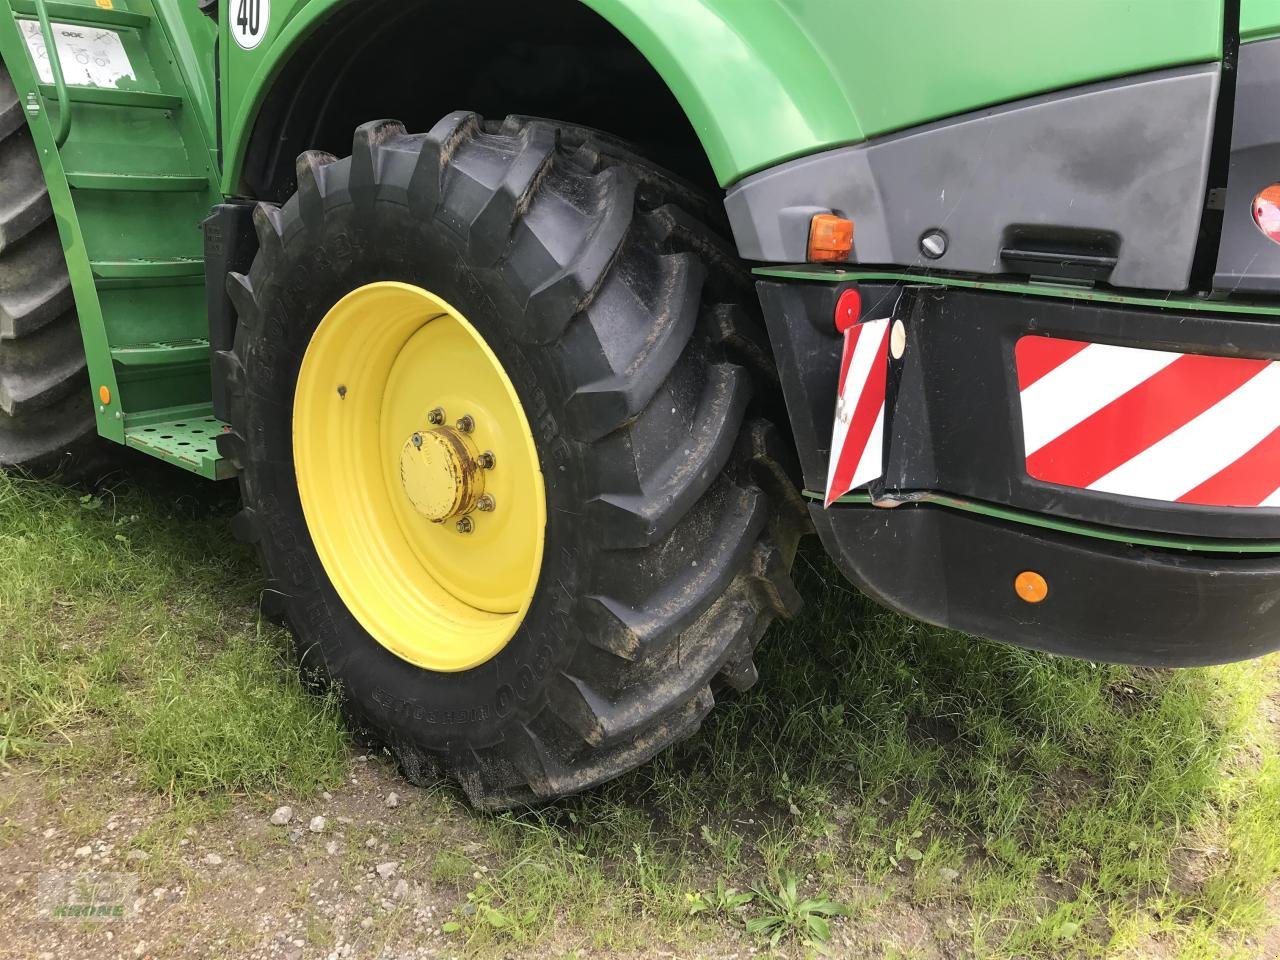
{"x": 486, "y": 503}
{"x": 466, "y": 424}
{"x": 486, "y": 460}
{"x": 436, "y": 416}
{"x": 464, "y": 525}
{"x": 417, "y": 440}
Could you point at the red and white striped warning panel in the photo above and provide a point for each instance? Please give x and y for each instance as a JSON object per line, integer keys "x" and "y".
{"x": 857, "y": 440}
{"x": 1178, "y": 427}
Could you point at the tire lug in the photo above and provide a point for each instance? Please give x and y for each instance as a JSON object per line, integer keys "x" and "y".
{"x": 464, "y": 525}
{"x": 486, "y": 460}
{"x": 417, "y": 440}
{"x": 486, "y": 503}
{"x": 436, "y": 416}
{"x": 466, "y": 423}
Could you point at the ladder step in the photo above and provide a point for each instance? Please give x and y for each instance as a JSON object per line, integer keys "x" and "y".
{"x": 107, "y": 97}
{"x": 137, "y": 182}
{"x": 81, "y": 13}
{"x": 162, "y": 354}
{"x": 147, "y": 273}
{"x": 183, "y": 436}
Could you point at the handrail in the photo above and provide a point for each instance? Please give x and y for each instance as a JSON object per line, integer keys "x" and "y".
{"x": 59, "y": 82}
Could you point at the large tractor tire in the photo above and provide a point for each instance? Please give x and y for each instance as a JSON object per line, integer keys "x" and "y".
{"x": 47, "y": 424}
{"x": 499, "y": 399}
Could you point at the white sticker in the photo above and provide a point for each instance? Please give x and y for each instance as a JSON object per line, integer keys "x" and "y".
{"x": 90, "y": 56}
{"x": 249, "y": 21}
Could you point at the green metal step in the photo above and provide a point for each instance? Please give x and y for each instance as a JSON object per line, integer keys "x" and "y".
{"x": 139, "y": 177}
{"x": 137, "y": 182}
{"x": 107, "y": 97}
{"x": 162, "y": 354}
{"x": 183, "y": 436}
{"x": 82, "y": 13}
{"x": 147, "y": 273}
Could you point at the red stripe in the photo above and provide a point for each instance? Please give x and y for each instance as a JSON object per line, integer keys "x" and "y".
{"x": 864, "y": 417}
{"x": 850, "y": 341}
{"x": 1245, "y": 483}
{"x": 1146, "y": 414}
{"x": 1036, "y": 356}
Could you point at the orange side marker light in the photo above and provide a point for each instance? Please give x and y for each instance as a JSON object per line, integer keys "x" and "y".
{"x": 104, "y": 394}
{"x": 830, "y": 238}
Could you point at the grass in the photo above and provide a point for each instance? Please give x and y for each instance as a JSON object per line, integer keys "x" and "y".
{"x": 950, "y": 796}
{"x": 129, "y": 635}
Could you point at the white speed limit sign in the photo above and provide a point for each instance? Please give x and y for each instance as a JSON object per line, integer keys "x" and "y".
{"x": 249, "y": 21}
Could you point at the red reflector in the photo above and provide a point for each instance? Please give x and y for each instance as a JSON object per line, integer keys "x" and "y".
{"x": 848, "y": 310}
{"x": 1266, "y": 211}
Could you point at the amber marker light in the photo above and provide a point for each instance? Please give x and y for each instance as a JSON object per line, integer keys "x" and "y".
{"x": 1031, "y": 586}
{"x": 1266, "y": 212}
{"x": 830, "y": 238}
{"x": 104, "y": 394}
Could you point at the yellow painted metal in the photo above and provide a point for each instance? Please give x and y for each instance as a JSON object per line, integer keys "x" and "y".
{"x": 387, "y": 492}
{"x": 441, "y": 475}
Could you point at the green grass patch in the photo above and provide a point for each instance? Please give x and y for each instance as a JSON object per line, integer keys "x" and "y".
{"x": 129, "y": 636}
{"x": 889, "y": 788}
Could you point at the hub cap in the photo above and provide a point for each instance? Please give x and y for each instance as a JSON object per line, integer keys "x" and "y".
{"x": 418, "y": 476}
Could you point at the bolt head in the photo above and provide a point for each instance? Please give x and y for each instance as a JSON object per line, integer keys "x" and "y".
{"x": 486, "y": 503}
{"x": 933, "y": 244}
{"x": 464, "y": 525}
{"x": 466, "y": 423}
{"x": 417, "y": 440}
{"x": 486, "y": 460}
{"x": 436, "y": 416}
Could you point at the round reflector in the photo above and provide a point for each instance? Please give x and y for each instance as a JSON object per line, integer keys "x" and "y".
{"x": 848, "y": 310}
{"x": 1266, "y": 211}
{"x": 1031, "y": 586}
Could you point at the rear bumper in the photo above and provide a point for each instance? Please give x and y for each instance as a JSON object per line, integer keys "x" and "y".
{"x": 1131, "y": 579}
{"x": 1107, "y": 601}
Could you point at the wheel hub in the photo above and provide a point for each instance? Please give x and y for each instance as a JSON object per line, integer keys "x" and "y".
{"x": 441, "y": 474}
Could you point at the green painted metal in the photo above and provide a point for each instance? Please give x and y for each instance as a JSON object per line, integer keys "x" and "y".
{"x": 1259, "y": 19}
{"x": 163, "y": 353}
{"x": 763, "y": 81}
{"x": 80, "y": 13}
{"x": 1129, "y": 537}
{"x": 129, "y": 188}
{"x": 136, "y": 182}
{"x": 183, "y": 436}
{"x": 1197, "y": 304}
{"x": 142, "y": 273}
{"x": 119, "y": 98}
{"x": 59, "y": 81}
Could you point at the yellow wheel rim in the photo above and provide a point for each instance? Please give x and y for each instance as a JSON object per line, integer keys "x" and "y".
{"x": 418, "y": 476}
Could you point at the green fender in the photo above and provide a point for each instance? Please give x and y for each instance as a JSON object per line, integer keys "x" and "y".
{"x": 764, "y": 81}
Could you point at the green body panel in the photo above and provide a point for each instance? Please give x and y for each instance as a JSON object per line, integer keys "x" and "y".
{"x": 1259, "y": 19}
{"x": 764, "y": 81}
